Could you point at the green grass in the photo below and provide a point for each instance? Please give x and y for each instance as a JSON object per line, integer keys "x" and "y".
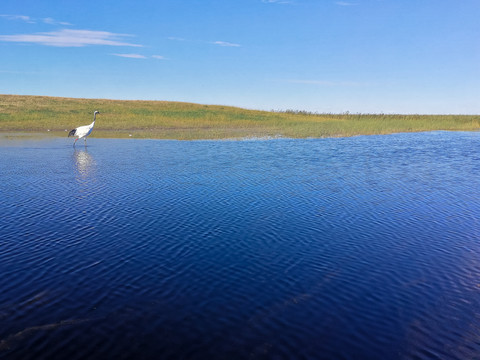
{"x": 186, "y": 121}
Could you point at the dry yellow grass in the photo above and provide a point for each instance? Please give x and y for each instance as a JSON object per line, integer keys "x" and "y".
{"x": 175, "y": 120}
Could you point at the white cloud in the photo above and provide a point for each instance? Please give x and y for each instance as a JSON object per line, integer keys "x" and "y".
{"x": 344, "y": 3}
{"x": 131, "y": 56}
{"x": 225, "y": 43}
{"x": 219, "y": 43}
{"x": 140, "y": 56}
{"x": 30, "y": 20}
{"x": 277, "y": 1}
{"x": 70, "y": 38}
{"x": 325, "y": 82}
{"x": 24, "y": 18}
{"x": 51, "y": 21}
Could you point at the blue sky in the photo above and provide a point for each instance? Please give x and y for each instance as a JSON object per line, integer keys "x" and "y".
{"x": 369, "y": 56}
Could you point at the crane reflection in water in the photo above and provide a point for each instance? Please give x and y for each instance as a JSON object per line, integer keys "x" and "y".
{"x": 84, "y": 162}
{"x": 86, "y": 175}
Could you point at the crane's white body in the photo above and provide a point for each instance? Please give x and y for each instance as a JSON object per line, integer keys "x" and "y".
{"x": 83, "y": 131}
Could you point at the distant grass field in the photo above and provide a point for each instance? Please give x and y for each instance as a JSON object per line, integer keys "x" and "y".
{"x": 186, "y": 121}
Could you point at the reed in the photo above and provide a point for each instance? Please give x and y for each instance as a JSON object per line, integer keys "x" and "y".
{"x": 187, "y": 121}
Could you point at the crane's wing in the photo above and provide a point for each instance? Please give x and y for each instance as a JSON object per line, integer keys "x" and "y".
{"x": 80, "y": 131}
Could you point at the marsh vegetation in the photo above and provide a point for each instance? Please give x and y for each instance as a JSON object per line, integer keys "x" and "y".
{"x": 187, "y": 121}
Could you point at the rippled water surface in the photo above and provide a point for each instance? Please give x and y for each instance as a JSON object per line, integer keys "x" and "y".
{"x": 356, "y": 248}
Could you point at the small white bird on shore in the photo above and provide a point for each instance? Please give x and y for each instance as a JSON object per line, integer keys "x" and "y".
{"x": 83, "y": 131}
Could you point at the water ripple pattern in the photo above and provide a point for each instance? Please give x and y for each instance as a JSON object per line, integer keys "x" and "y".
{"x": 349, "y": 248}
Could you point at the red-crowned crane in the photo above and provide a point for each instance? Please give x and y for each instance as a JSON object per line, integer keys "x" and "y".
{"x": 83, "y": 131}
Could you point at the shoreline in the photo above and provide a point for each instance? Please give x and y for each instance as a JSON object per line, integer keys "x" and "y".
{"x": 187, "y": 121}
{"x": 39, "y": 136}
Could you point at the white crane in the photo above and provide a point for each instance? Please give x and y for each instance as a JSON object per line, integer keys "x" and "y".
{"x": 83, "y": 131}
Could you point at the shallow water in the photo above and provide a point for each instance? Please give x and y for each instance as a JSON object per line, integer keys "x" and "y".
{"x": 350, "y": 248}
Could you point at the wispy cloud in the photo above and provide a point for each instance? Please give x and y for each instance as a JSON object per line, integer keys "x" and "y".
{"x": 174, "y": 38}
{"x": 225, "y": 43}
{"x": 131, "y": 56}
{"x": 324, "y": 82}
{"x": 24, "y": 18}
{"x": 51, "y": 21}
{"x": 345, "y": 3}
{"x": 140, "y": 56}
{"x": 70, "y": 38}
{"x": 277, "y": 1}
{"x": 219, "y": 43}
{"x": 30, "y": 20}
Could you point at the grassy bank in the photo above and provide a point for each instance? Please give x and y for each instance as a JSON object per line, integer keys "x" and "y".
{"x": 175, "y": 120}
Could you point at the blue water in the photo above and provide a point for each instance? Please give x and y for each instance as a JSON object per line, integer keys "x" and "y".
{"x": 351, "y": 248}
